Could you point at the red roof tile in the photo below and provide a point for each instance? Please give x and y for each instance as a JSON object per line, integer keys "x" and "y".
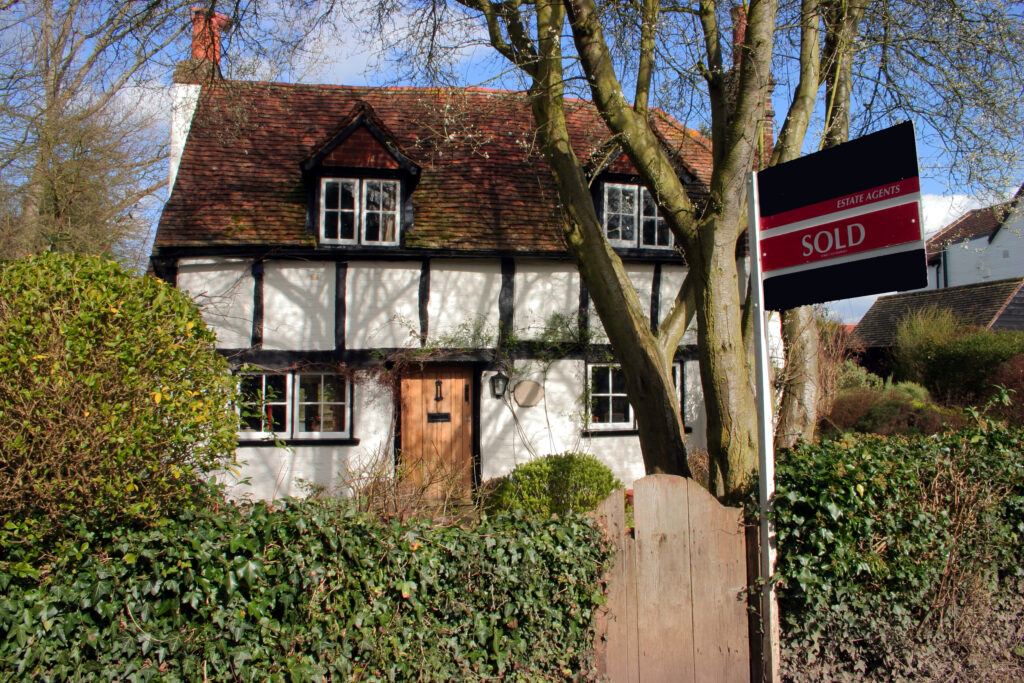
{"x": 483, "y": 182}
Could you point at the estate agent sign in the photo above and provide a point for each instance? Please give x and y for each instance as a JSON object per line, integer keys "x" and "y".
{"x": 843, "y": 222}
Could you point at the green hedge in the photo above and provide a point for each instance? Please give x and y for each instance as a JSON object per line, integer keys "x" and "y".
{"x": 960, "y": 368}
{"x": 308, "y": 590}
{"x": 895, "y": 555}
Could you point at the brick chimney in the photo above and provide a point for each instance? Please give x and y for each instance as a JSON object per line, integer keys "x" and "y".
{"x": 206, "y": 29}
{"x": 203, "y": 67}
{"x": 204, "y": 62}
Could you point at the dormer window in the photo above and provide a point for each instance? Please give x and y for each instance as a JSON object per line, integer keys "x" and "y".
{"x": 631, "y": 218}
{"x": 359, "y": 211}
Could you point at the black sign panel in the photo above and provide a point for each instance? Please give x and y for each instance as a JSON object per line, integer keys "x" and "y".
{"x": 843, "y": 222}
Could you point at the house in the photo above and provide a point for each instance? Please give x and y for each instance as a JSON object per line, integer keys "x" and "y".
{"x": 981, "y": 246}
{"x": 384, "y": 269}
{"x": 997, "y": 305}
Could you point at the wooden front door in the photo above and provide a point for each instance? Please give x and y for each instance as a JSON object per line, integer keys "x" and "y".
{"x": 437, "y": 431}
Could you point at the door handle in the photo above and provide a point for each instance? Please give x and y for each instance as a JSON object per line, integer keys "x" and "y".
{"x": 466, "y": 387}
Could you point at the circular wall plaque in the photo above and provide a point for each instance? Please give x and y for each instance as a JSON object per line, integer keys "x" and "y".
{"x": 528, "y": 393}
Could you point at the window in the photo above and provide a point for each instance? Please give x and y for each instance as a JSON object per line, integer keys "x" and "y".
{"x": 300, "y": 406}
{"x": 354, "y": 211}
{"x": 631, "y": 218}
{"x": 264, "y": 407}
{"x": 321, "y": 404}
{"x": 609, "y": 404}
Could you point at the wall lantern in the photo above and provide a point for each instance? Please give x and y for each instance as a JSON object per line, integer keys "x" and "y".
{"x": 499, "y": 383}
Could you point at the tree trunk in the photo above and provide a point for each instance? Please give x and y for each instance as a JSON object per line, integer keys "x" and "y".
{"x": 798, "y": 414}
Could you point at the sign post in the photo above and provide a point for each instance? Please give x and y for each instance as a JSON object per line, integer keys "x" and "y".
{"x": 836, "y": 224}
{"x": 770, "y": 647}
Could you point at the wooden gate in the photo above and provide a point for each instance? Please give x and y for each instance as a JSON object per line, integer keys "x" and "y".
{"x": 677, "y": 607}
{"x": 437, "y": 431}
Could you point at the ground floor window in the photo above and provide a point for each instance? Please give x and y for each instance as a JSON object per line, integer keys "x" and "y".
{"x": 295, "y": 406}
{"x": 609, "y": 405}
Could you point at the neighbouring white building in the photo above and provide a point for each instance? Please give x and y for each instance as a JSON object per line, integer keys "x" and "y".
{"x": 378, "y": 262}
{"x": 983, "y": 245}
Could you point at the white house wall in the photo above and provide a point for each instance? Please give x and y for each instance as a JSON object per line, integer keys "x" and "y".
{"x": 223, "y": 290}
{"x": 512, "y": 434}
{"x": 268, "y": 471}
{"x": 382, "y": 304}
{"x": 963, "y": 264}
{"x": 546, "y": 292}
{"x": 463, "y": 305}
{"x": 671, "y": 280}
{"x": 298, "y": 305}
{"x": 642, "y": 277}
{"x": 185, "y": 96}
{"x": 1004, "y": 256}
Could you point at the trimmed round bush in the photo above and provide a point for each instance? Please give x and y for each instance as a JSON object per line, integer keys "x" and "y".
{"x": 113, "y": 403}
{"x": 554, "y": 484}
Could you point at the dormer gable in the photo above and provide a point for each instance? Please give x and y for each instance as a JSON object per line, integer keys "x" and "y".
{"x": 359, "y": 185}
{"x": 360, "y": 141}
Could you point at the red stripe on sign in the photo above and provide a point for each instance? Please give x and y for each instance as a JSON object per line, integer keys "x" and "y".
{"x": 884, "y": 228}
{"x": 850, "y": 201}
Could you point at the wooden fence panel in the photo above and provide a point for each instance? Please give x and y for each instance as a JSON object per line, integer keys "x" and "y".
{"x": 676, "y": 607}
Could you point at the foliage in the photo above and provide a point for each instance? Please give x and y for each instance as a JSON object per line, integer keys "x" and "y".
{"x": 1010, "y": 377}
{"x": 954, "y": 362}
{"x": 855, "y": 376}
{"x": 113, "y": 402}
{"x": 82, "y": 157}
{"x": 308, "y": 591}
{"x": 887, "y": 408}
{"x": 554, "y": 484}
{"x": 918, "y": 332}
{"x": 894, "y": 553}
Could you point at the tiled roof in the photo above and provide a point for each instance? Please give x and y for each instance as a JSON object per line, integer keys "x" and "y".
{"x": 483, "y": 182}
{"x": 976, "y": 223}
{"x": 976, "y": 304}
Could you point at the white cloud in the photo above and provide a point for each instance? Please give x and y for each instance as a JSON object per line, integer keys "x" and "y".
{"x": 940, "y": 210}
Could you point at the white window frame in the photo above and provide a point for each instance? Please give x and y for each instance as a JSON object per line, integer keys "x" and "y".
{"x": 622, "y": 188}
{"x": 262, "y": 402}
{"x": 292, "y": 428}
{"x": 611, "y": 395}
{"x": 346, "y": 404}
{"x": 677, "y": 374}
{"x": 361, "y": 195}
{"x": 639, "y": 194}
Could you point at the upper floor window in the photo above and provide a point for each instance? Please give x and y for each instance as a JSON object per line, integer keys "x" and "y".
{"x": 359, "y": 211}
{"x": 631, "y": 218}
{"x": 299, "y": 406}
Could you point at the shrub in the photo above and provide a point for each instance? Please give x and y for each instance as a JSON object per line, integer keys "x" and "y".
{"x": 901, "y": 558}
{"x": 1010, "y": 376}
{"x": 953, "y": 361}
{"x": 890, "y": 408}
{"x": 113, "y": 403}
{"x": 854, "y": 376}
{"x": 896, "y": 416}
{"x": 916, "y": 334}
{"x": 554, "y": 484}
{"x": 311, "y": 591}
